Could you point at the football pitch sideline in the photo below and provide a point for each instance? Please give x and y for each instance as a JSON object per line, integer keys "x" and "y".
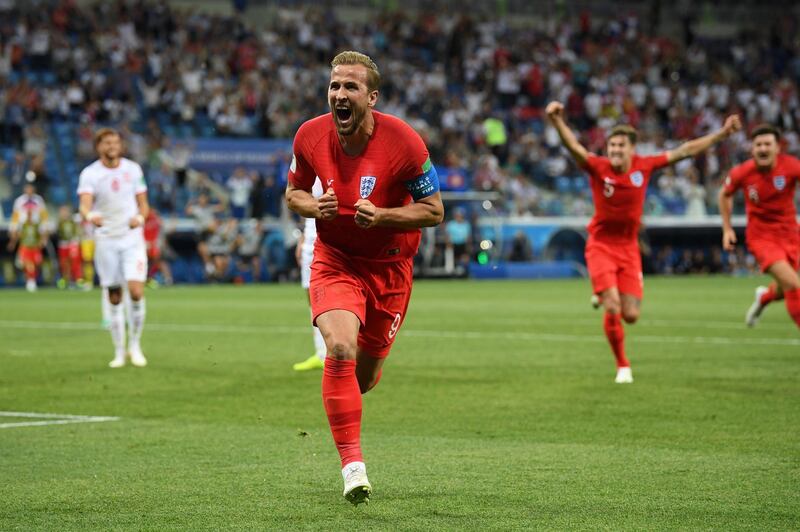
{"x": 497, "y": 410}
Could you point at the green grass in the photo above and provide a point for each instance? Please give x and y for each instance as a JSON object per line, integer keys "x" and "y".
{"x": 497, "y": 410}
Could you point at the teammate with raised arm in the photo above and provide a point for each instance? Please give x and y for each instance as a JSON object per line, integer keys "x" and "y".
{"x": 619, "y": 184}
{"x": 768, "y": 180}
{"x": 380, "y": 189}
{"x": 113, "y": 197}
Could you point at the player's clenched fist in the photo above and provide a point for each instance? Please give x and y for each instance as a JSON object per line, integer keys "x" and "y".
{"x": 732, "y": 125}
{"x": 554, "y": 110}
{"x": 328, "y": 205}
{"x": 366, "y": 214}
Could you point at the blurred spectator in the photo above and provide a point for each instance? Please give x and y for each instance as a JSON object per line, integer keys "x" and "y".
{"x": 221, "y": 245}
{"x": 520, "y": 249}
{"x": 239, "y": 185}
{"x": 248, "y": 248}
{"x": 204, "y": 214}
{"x": 458, "y": 240}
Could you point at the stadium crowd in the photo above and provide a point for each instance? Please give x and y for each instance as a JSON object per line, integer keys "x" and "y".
{"x": 474, "y": 89}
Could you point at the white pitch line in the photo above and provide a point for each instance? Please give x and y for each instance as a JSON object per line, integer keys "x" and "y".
{"x": 469, "y": 335}
{"x": 51, "y": 419}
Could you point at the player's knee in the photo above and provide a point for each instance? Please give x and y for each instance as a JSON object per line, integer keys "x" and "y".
{"x": 630, "y": 315}
{"x": 341, "y": 349}
{"x": 115, "y": 295}
{"x": 612, "y": 305}
{"x": 137, "y": 294}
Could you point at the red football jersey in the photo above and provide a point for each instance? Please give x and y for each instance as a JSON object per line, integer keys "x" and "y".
{"x": 394, "y": 155}
{"x": 769, "y": 196}
{"x": 619, "y": 198}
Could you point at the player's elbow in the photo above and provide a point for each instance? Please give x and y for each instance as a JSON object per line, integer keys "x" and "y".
{"x": 436, "y": 214}
{"x": 291, "y": 200}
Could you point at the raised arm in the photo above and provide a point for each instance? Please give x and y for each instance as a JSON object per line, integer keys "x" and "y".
{"x": 555, "y": 113}
{"x": 699, "y": 145}
{"x": 725, "y": 200}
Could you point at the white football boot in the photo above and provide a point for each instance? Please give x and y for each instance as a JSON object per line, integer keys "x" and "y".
{"x": 755, "y": 310}
{"x": 137, "y": 357}
{"x": 624, "y": 376}
{"x": 357, "y": 488}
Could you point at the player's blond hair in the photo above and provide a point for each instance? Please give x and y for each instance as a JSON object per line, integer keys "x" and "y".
{"x": 104, "y": 132}
{"x": 625, "y": 130}
{"x": 350, "y": 57}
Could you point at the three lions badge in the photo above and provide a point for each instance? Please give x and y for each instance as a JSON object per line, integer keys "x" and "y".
{"x": 367, "y": 185}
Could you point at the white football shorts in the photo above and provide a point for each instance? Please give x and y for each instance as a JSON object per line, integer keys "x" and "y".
{"x": 119, "y": 260}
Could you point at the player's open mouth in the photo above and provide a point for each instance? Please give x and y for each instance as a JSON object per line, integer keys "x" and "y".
{"x": 343, "y": 114}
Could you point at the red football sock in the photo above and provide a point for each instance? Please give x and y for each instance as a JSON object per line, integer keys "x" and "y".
{"x": 342, "y": 399}
{"x": 793, "y": 304}
{"x": 616, "y": 337}
{"x": 769, "y": 296}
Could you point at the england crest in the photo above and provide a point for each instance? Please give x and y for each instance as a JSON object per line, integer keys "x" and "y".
{"x": 637, "y": 178}
{"x": 367, "y": 184}
{"x": 779, "y": 181}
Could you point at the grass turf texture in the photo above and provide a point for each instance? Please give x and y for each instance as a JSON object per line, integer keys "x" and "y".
{"x": 497, "y": 410}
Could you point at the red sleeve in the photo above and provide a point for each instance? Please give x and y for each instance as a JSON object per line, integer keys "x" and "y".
{"x": 655, "y": 162}
{"x": 733, "y": 182}
{"x": 413, "y": 157}
{"x": 590, "y": 165}
{"x": 301, "y": 173}
{"x": 593, "y": 166}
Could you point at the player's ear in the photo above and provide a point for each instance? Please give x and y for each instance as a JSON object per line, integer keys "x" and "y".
{"x": 373, "y": 98}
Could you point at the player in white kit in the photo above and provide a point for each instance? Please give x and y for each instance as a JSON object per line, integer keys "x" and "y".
{"x": 305, "y": 255}
{"x": 113, "y": 197}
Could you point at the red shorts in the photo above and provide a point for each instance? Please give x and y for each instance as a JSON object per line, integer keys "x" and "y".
{"x": 377, "y": 292}
{"x": 769, "y": 251}
{"x": 33, "y": 255}
{"x": 612, "y": 264}
{"x": 70, "y": 250}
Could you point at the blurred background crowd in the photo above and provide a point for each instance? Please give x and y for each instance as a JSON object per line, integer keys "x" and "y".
{"x": 472, "y": 82}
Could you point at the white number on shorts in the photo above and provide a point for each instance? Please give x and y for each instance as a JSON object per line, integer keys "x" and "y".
{"x": 395, "y": 325}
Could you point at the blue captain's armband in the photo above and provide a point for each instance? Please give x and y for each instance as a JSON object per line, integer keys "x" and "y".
{"x": 425, "y": 184}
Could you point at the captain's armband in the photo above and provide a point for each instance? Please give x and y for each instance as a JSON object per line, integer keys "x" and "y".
{"x": 425, "y": 184}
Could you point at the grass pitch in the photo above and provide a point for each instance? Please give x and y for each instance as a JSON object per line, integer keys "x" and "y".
{"x": 497, "y": 410}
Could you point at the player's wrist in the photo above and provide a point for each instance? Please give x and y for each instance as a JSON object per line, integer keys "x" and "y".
{"x": 91, "y": 216}
{"x": 139, "y": 219}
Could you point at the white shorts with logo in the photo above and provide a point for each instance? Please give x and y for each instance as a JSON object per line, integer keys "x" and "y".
{"x": 122, "y": 259}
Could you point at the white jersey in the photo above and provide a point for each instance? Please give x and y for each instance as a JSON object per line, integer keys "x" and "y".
{"x": 114, "y": 191}
{"x": 310, "y": 228}
{"x": 309, "y": 237}
{"x": 28, "y": 208}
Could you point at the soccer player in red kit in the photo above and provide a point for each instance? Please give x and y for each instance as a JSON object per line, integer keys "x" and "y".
{"x": 768, "y": 181}
{"x": 380, "y": 188}
{"x": 619, "y": 184}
